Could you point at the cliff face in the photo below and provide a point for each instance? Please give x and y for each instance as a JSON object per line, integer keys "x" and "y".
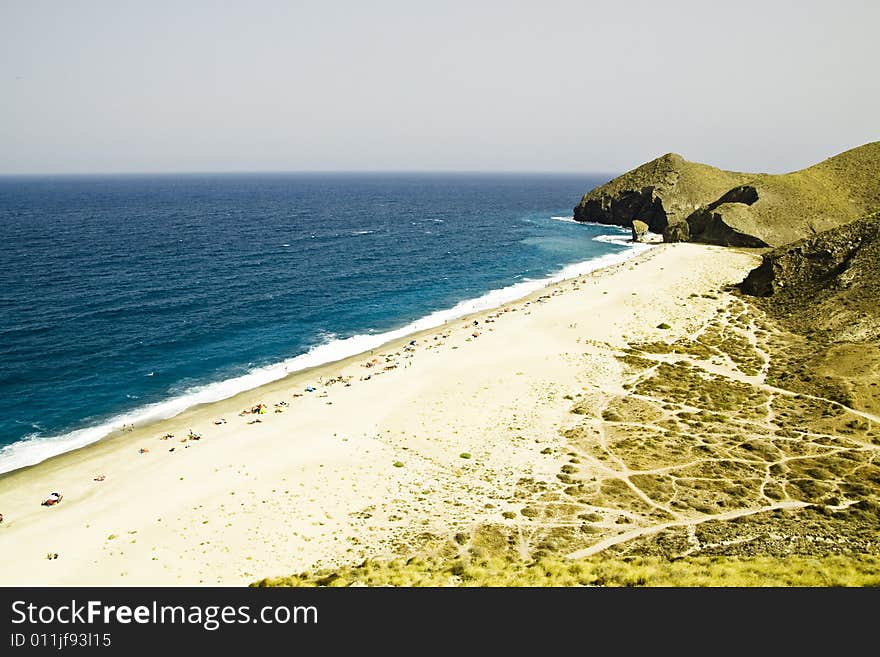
{"x": 828, "y": 282}
{"x": 628, "y": 206}
{"x": 739, "y": 209}
{"x": 823, "y": 294}
{"x": 728, "y": 220}
{"x": 661, "y": 192}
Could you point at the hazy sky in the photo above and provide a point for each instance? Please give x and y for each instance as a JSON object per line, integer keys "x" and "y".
{"x": 546, "y": 85}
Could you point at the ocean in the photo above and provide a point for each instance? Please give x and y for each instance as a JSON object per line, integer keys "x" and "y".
{"x": 129, "y": 298}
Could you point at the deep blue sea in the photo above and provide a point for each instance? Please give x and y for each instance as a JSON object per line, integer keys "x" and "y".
{"x": 132, "y": 297}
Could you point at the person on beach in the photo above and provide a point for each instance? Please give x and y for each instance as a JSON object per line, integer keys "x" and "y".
{"x": 53, "y": 499}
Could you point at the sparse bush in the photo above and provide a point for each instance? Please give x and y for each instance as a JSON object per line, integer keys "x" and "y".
{"x": 551, "y": 570}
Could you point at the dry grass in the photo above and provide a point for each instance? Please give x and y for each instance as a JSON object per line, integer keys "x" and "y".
{"x": 789, "y": 207}
{"x": 642, "y": 571}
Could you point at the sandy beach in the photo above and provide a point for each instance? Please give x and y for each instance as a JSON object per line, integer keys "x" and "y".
{"x": 431, "y": 437}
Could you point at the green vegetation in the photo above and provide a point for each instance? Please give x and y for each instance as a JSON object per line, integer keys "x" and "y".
{"x": 640, "y": 571}
{"x": 398, "y": 464}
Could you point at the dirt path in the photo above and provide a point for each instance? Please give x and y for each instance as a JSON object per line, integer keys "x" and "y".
{"x": 746, "y": 446}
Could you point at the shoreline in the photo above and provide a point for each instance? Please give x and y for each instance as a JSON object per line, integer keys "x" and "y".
{"x": 143, "y": 417}
{"x": 347, "y": 472}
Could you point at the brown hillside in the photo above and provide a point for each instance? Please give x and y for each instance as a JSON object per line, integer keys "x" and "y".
{"x": 739, "y": 209}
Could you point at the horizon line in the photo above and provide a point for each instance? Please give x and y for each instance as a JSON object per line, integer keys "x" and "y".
{"x": 60, "y": 174}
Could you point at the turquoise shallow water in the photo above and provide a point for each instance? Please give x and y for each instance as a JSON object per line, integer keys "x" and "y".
{"x": 129, "y": 297}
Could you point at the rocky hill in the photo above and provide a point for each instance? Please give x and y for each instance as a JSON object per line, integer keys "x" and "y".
{"x": 824, "y": 292}
{"x": 828, "y": 282}
{"x": 689, "y": 201}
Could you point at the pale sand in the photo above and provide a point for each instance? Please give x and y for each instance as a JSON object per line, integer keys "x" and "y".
{"x": 317, "y": 483}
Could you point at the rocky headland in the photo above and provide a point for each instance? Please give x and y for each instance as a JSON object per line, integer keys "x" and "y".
{"x": 689, "y": 201}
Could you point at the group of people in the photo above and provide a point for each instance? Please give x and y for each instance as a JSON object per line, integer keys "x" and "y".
{"x": 55, "y": 497}
{"x": 259, "y": 409}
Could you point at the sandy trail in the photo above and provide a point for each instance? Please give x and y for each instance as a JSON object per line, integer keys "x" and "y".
{"x": 685, "y": 522}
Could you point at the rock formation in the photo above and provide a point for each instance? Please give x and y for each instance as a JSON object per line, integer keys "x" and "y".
{"x": 739, "y": 209}
{"x": 639, "y": 230}
{"x": 660, "y": 192}
{"x": 677, "y": 232}
{"x": 727, "y": 221}
{"x": 830, "y": 281}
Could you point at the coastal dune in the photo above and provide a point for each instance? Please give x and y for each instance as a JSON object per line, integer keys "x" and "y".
{"x": 425, "y": 436}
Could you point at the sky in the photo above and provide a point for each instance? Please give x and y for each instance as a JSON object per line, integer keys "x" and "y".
{"x": 549, "y": 85}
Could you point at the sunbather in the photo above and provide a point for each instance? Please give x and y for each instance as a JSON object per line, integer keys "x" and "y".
{"x": 53, "y": 499}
